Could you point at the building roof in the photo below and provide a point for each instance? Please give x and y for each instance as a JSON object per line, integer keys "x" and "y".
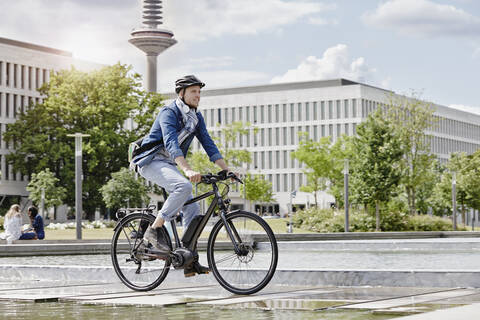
{"x": 35, "y": 47}
{"x": 278, "y": 87}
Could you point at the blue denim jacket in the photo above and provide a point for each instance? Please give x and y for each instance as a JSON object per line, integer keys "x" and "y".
{"x": 168, "y": 125}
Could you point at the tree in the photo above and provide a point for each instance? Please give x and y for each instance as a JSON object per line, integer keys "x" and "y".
{"x": 124, "y": 190}
{"x": 257, "y": 189}
{"x": 376, "y": 166}
{"x": 411, "y": 117}
{"x": 44, "y": 182}
{"x": 98, "y": 103}
{"x": 467, "y": 176}
{"x": 316, "y": 157}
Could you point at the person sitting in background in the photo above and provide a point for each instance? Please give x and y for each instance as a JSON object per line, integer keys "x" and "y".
{"x": 12, "y": 224}
{"x": 37, "y": 225}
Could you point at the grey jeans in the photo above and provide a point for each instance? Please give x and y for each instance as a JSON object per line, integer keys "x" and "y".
{"x": 178, "y": 187}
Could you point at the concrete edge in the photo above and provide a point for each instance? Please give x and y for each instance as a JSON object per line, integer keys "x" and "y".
{"x": 325, "y": 277}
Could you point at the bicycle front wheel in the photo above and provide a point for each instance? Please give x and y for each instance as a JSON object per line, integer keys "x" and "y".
{"x": 134, "y": 266}
{"x": 252, "y": 267}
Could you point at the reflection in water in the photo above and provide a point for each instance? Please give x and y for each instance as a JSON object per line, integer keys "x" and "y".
{"x": 73, "y": 311}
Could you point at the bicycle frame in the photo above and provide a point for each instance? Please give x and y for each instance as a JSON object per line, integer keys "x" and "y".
{"x": 218, "y": 202}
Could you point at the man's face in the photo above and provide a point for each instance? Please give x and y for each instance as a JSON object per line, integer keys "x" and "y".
{"x": 191, "y": 96}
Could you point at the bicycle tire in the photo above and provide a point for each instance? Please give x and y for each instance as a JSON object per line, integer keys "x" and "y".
{"x": 127, "y": 251}
{"x": 239, "y": 273}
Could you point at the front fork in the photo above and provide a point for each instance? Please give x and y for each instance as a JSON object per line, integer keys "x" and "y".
{"x": 232, "y": 233}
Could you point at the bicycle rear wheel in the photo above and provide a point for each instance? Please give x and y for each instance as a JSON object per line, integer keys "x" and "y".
{"x": 251, "y": 269}
{"x": 131, "y": 261}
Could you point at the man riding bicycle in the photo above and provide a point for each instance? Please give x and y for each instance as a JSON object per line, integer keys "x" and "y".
{"x": 176, "y": 125}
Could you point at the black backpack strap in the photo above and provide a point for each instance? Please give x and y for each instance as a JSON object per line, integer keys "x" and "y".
{"x": 146, "y": 146}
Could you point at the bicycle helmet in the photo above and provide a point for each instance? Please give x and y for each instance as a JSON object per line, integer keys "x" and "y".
{"x": 187, "y": 81}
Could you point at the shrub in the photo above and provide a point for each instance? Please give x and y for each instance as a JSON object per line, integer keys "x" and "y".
{"x": 327, "y": 220}
{"x": 430, "y": 223}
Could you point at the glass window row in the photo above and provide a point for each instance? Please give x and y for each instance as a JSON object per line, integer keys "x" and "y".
{"x": 21, "y": 76}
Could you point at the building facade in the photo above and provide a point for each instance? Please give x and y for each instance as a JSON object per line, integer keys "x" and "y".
{"x": 321, "y": 108}
{"x": 25, "y": 67}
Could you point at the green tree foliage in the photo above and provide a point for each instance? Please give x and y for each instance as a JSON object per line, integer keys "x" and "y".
{"x": 45, "y": 181}
{"x": 257, "y": 189}
{"x": 376, "y": 165}
{"x": 98, "y": 103}
{"x": 411, "y": 118}
{"x": 124, "y": 190}
{"x": 467, "y": 176}
{"x": 317, "y": 159}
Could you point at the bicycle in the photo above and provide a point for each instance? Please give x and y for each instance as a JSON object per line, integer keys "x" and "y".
{"x": 242, "y": 250}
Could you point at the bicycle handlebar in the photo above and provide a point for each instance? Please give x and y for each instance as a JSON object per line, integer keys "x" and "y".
{"x": 210, "y": 178}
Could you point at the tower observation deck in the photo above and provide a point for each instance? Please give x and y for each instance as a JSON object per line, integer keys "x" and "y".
{"x": 151, "y": 39}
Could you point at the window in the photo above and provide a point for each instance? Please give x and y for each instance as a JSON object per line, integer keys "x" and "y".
{"x": 315, "y": 111}
{"x": 247, "y": 111}
{"x": 284, "y": 140}
{"x": 212, "y": 120}
{"x": 285, "y": 159}
{"x": 277, "y": 136}
{"x": 330, "y": 130}
{"x": 292, "y": 161}
{"x": 277, "y": 113}
{"x": 240, "y": 115}
{"x": 22, "y": 77}
{"x": 262, "y": 160}
{"x": 219, "y": 115}
{"x": 7, "y": 105}
{"x": 322, "y": 110}
{"x": 323, "y": 131}
{"x": 269, "y": 136}
{"x": 226, "y": 115}
{"x": 262, "y": 114}
{"x": 285, "y": 182}
{"x": 270, "y": 159}
{"x": 255, "y": 162}
{"x": 354, "y": 108}
{"x": 277, "y": 182}
{"x": 277, "y": 159}
{"x": 269, "y": 115}
{"x": 248, "y": 139}
{"x": 1, "y": 73}
{"x": 255, "y": 139}
{"x": 345, "y": 104}
{"x": 8, "y": 74}
{"x": 262, "y": 137}
{"x": 255, "y": 119}
{"x": 292, "y": 112}
{"x": 292, "y": 135}
{"x": 330, "y": 109}
{"x": 307, "y": 111}
{"x": 233, "y": 115}
{"x": 284, "y": 111}
{"x": 15, "y": 73}
{"x": 292, "y": 181}
{"x": 338, "y": 109}
{"x": 299, "y": 105}
{"x": 30, "y": 78}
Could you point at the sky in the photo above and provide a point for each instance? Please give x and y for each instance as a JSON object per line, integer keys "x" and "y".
{"x": 431, "y": 47}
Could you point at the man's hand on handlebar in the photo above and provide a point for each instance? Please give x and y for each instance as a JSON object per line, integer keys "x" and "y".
{"x": 193, "y": 176}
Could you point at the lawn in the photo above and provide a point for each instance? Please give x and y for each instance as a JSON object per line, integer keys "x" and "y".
{"x": 277, "y": 225}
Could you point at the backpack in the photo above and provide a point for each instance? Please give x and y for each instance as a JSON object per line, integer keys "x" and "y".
{"x": 135, "y": 148}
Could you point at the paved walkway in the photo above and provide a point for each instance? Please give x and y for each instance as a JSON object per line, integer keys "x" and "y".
{"x": 446, "y": 303}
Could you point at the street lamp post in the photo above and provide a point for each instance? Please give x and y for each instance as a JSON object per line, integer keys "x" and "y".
{"x": 454, "y": 200}
{"x": 78, "y": 180}
{"x": 347, "y": 205}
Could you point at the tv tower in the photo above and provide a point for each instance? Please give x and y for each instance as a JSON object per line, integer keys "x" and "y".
{"x": 151, "y": 39}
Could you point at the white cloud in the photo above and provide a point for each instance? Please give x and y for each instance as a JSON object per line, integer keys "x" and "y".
{"x": 423, "y": 17}
{"x": 199, "y": 20}
{"x": 335, "y": 63}
{"x": 470, "y": 109}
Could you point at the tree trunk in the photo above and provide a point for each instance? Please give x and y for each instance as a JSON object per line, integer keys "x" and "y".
{"x": 464, "y": 215}
{"x": 365, "y": 207}
{"x": 316, "y": 201}
{"x": 377, "y": 215}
